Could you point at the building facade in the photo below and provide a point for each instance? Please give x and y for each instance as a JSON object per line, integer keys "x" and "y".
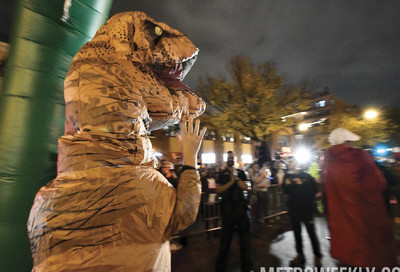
{"x": 216, "y": 144}
{"x": 323, "y": 106}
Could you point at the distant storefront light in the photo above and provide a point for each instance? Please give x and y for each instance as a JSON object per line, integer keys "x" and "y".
{"x": 320, "y": 104}
{"x": 246, "y": 158}
{"x": 286, "y": 151}
{"x": 208, "y": 158}
{"x": 381, "y": 150}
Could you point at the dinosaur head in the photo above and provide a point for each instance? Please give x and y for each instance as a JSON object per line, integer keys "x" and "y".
{"x": 160, "y": 51}
{"x": 131, "y": 72}
{"x": 126, "y": 81}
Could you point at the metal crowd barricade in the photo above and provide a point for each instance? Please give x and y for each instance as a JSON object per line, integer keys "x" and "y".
{"x": 276, "y": 201}
{"x": 269, "y": 204}
{"x": 208, "y": 217}
{"x": 211, "y": 212}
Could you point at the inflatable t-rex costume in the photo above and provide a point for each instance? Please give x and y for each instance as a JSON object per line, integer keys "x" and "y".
{"x": 109, "y": 209}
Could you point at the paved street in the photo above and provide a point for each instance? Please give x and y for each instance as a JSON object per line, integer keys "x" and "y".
{"x": 272, "y": 246}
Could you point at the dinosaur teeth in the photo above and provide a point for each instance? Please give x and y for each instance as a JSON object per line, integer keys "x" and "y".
{"x": 192, "y": 56}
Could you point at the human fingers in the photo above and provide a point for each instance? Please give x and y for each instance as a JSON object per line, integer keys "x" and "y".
{"x": 178, "y": 137}
{"x": 197, "y": 127}
{"x": 202, "y": 133}
{"x": 184, "y": 127}
{"x": 190, "y": 125}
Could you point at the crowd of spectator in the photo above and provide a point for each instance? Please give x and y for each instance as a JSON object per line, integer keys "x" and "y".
{"x": 282, "y": 183}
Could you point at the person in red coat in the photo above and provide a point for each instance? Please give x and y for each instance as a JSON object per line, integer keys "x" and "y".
{"x": 359, "y": 223}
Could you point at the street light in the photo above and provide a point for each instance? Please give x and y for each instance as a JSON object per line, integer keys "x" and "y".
{"x": 371, "y": 114}
{"x": 303, "y": 126}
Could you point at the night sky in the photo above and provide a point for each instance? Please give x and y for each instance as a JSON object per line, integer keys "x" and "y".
{"x": 352, "y": 47}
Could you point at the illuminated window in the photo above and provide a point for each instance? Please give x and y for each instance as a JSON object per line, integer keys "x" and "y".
{"x": 228, "y": 137}
{"x": 284, "y": 140}
{"x": 210, "y": 135}
{"x": 245, "y": 139}
{"x": 247, "y": 158}
{"x": 320, "y": 104}
{"x": 208, "y": 158}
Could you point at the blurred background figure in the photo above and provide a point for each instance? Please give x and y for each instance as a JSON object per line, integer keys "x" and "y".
{"x": 301, "y": 189}
{"x": 252, "y": 171}
{"x": 278, "y": 172}
{"x": 208, "y": 184}
{"x": 261, "y": 184}
{"x": 167, "y": 169}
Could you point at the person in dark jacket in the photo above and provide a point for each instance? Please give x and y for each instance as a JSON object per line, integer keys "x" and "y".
{"x": 301, "y": 189}
{"x": 235, "y": 214}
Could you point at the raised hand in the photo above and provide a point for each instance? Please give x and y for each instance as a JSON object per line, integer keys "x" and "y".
{"x": 190, "y": 141}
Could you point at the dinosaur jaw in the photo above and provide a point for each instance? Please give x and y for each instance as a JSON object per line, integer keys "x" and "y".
{"x": 172, "y": 77}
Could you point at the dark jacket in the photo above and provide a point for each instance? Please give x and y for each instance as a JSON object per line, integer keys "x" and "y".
{"x": 301, "y": 189}
{"x": 234, "y": 195}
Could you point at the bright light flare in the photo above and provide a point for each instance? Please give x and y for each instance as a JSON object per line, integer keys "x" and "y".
{"x": 302, "y": 155}
{"x": 303, "y": 127}
{"x": 381, "y": 150}
{"x": 371, "y": 114}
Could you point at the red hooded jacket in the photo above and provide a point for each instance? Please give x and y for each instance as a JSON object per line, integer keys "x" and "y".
{"x": 359, "y": 223}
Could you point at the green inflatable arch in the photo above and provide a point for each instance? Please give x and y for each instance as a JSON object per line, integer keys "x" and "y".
{"x": 46, "y": 35}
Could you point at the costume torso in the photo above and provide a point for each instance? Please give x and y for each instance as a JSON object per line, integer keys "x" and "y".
{"x": 109, "y": 209}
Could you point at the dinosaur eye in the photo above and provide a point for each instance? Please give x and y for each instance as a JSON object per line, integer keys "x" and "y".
{"x": 158, "y": 30}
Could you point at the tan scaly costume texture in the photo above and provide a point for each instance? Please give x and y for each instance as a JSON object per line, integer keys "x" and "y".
{"x": 109, "y": 209}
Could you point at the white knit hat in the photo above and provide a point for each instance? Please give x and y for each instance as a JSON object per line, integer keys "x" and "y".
{"x": 341, "y": 135}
